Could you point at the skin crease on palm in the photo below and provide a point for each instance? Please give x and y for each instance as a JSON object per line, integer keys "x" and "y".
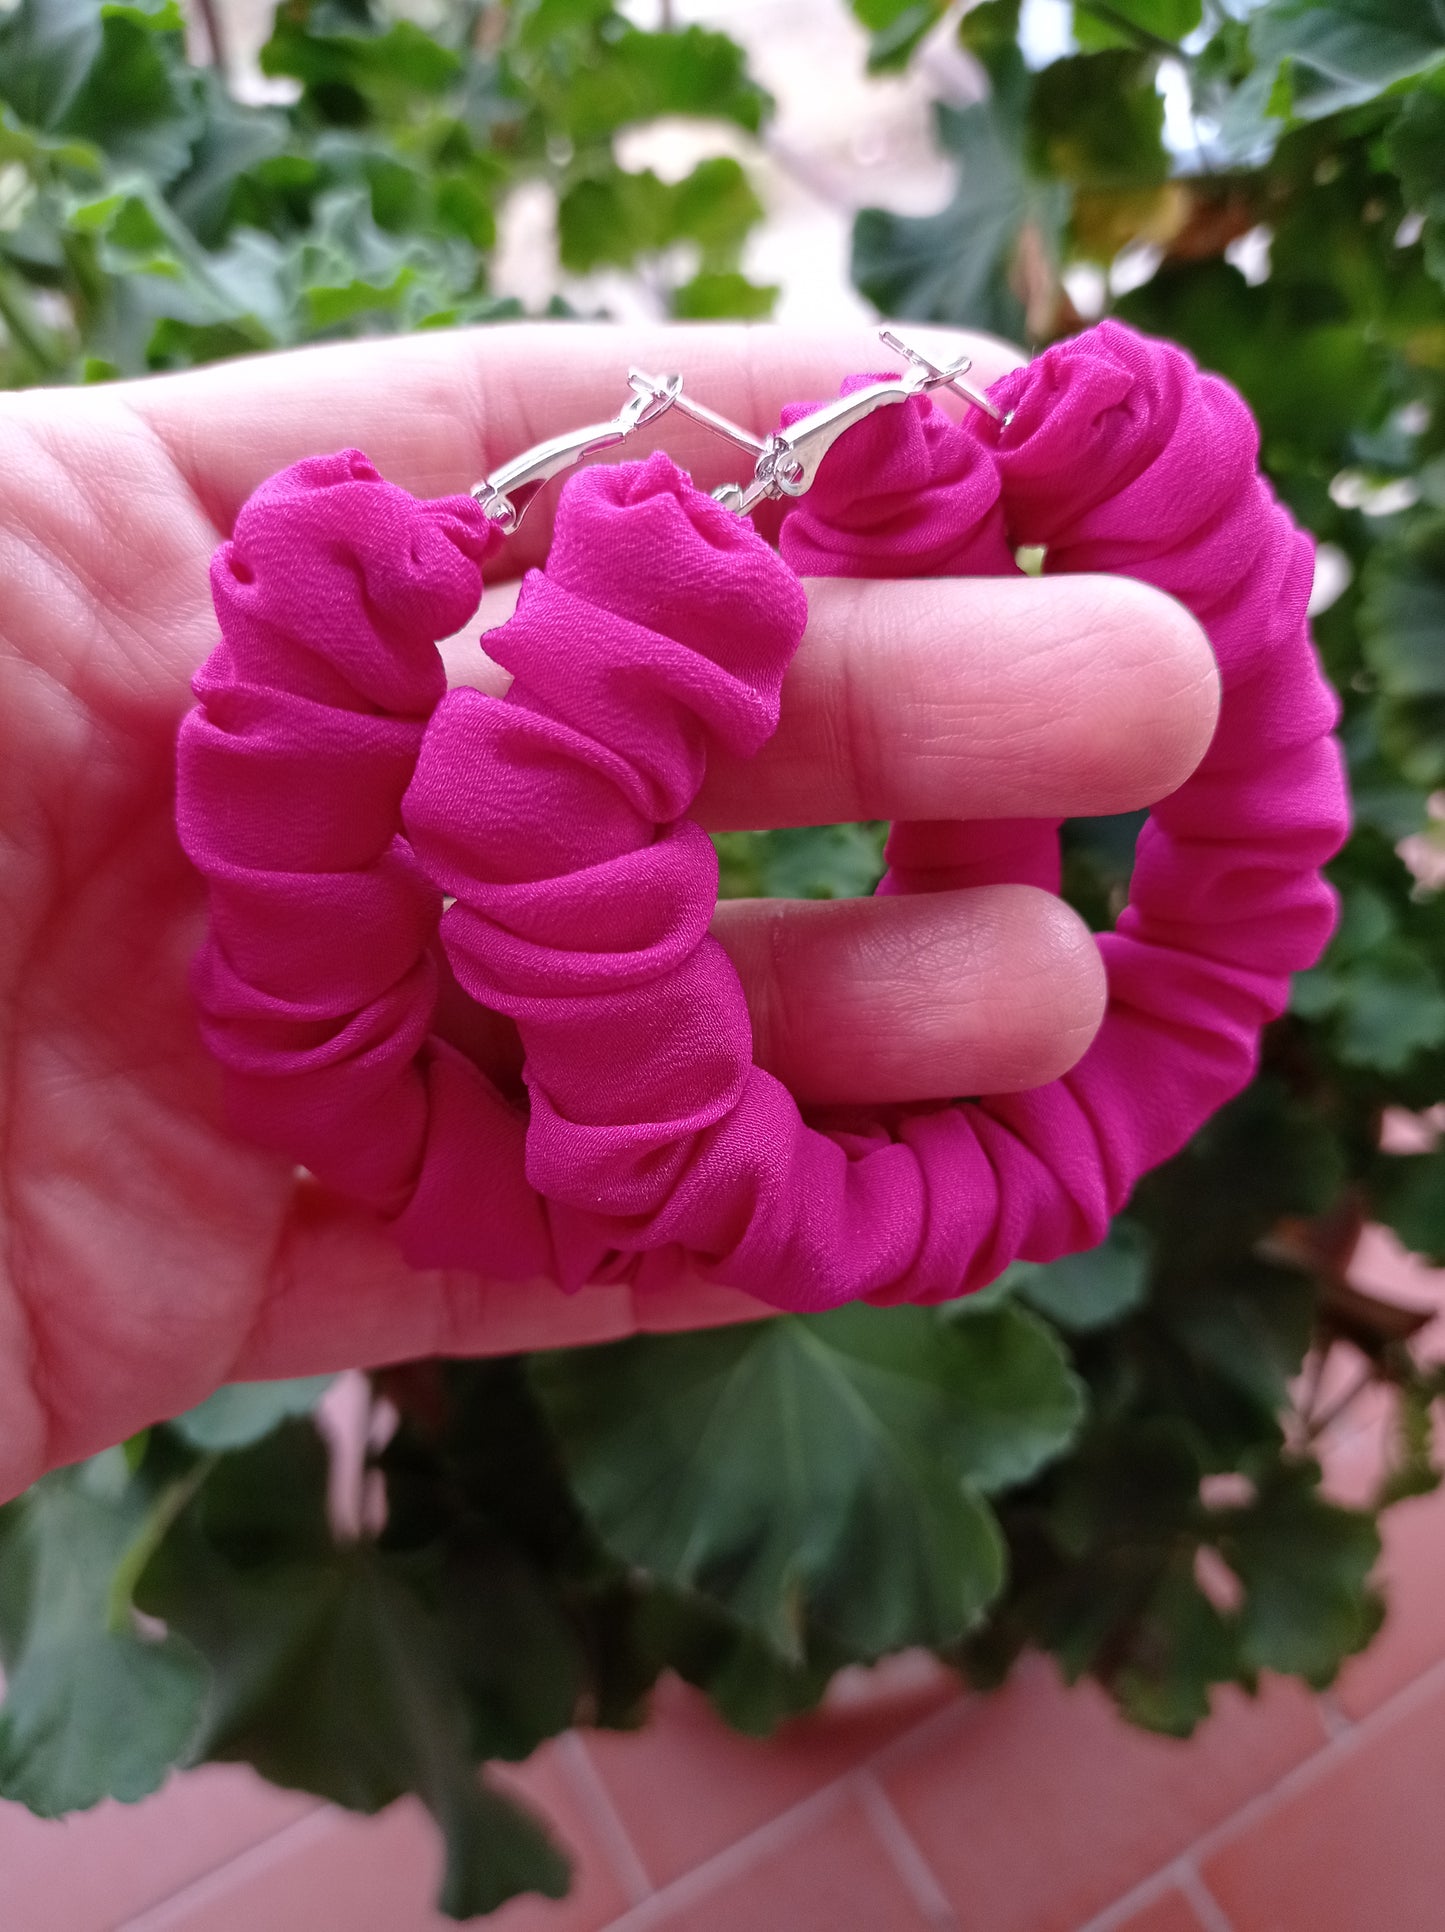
{"x": 147, "y": 1255}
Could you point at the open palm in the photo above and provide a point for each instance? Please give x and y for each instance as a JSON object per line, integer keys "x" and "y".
{"x": 149, "y": 1255}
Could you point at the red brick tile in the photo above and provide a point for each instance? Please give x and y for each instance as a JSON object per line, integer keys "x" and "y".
{"x": 834, "y": 1877}
{"x": 1359, "y": 1846}
{"x": 1413, "y": 1637}
{"x": 333, "y": 1873}
{"x": 341, "y": 1873}
{"x": 1171, "y": 1913}
{"x": 1355, "y": 1451}
{"x": 688, "y": 1786}
{"x": 598, "y": 1894}
{"x": 1383, "y": 1267}
{"x": 1039, "y": 1806}
{"x": 89, "y": 1871}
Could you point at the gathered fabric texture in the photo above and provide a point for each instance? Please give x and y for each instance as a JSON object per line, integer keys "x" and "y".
{"x": 384, "y": 857}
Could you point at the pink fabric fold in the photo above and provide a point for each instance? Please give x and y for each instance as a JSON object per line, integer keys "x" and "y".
{"x": 332, "y": 795}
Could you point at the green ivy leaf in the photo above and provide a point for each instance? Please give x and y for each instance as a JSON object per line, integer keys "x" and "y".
{"x": 1019, "y": 1404}
{"x": 896, "y": 27}
{"x": 818, "y": 1470}
{"x": 715, "y": 206}
{"x": 231, "y": 142}
{"x": 612, "y": 218}
{"x": 1416, "y": 149}
{"x": 1248, "y": 1332}
{"x": 1409, "y": 1197}
{"x": 332, "y": 1670}
{"x": 47, "y": 48}
{"x": 98, "y": 1715}
{"x": 1086, "y": 1291}
{"x": 1123, "y": 23}
{"x": 1132, "y": 1483}
{"x": 1310, "y": 374}
{"x": 1384, "y": 1008}
{"x": 723, "y": 294}
{"x": 637, "y": 76}
{"x": 1304, "y": 1563}
{"x": 1412, "y": 1469}
{"x": 1098, "y": 121}
{"x": 803, "y": 862}
{"x": 1402, "y": 629}
{"x": 242, "y": 1412}
{"x": 137, "y": 103}
{"x": 354, "y": 76}
{"x": 93, "y": 1708}
{"x": 1324, "y": 55}
{"x": 1180, "y": 1646}
{"x": 750, "y": 1685}
{"x": 954, "y": 266}
{"x": 615, "y": 216}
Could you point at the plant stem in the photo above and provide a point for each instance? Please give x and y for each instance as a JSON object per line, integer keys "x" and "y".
{"x": 1336, "y": 1409}
{"x": 1141, "y": 36}
{"x": 216, "y": 39}
{"x": 27, "y": 332}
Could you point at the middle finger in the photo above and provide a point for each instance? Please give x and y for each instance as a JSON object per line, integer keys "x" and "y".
{"x": 962, "y": 697}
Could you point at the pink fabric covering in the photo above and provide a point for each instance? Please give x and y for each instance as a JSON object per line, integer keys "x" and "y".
{"x": 556, "y": 819}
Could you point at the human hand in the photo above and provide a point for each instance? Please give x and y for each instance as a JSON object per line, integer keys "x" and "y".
{"x": 149, "y": 1255}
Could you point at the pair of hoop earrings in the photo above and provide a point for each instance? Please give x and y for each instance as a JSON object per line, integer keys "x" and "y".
{"x": 384, "y": 856}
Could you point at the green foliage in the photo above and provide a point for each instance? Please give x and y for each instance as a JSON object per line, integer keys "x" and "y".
{"x": 959, "y": 262}
{"x": 1090, "y": 1290}
{"x": 1113, "y": 1457}
{"x": 823, "y": 1472}
{"x": 1401, "y": 621}
{"x": 803, "y": 862}
{"x": 150, "y": 221}
{"x": 1304, "y": 1565}
{"x": 334, "y": 1668}
{"x": 94, "y": 1706}
{"x": 242, "y": 1412}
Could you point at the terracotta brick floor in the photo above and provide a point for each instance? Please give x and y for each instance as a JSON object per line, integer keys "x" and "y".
{"x": 907, "y": 1805}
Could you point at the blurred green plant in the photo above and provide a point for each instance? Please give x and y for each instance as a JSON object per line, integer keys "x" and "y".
{"x": 148, "y": 220}
{"x": 1113, "y": 1458}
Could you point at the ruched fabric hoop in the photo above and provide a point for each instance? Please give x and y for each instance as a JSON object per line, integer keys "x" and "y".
{"x": 332, "y": 793}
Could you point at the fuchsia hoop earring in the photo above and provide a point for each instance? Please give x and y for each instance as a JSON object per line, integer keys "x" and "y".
{"x": 332, "y": 793}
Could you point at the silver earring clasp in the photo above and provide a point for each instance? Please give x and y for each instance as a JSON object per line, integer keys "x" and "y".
{"x": 679, "y": 400}
{"x": 791, "y": 457}
{"x": 507, "y": 493}
{"x": 786, "y": 463}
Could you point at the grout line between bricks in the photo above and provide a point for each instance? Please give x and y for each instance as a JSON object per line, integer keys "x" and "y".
{"x": 590, "y": 1790}
{"x": 738, "y": 1857}
{"x": 1207, "y": 1908}
{"x": 735, "y": 1859}
{"x": 908, "y": 1861}
{"x": 1336, "y": 1751}
{"x": 925, "y": 1732}
{"x": 221, "y": 1878}
{"x": 1337, "y": 1721}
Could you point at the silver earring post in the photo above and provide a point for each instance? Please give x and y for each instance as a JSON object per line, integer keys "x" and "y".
{"x": 508, "y": 493}
{"x": 785, "y": 463}
{"x": 791, "y": 457}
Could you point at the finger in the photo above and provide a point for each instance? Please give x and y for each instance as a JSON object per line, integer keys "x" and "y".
{"x": 436, "y": 411}
{"x": 341, "y": 1297}
{"x": 987, "y": 697}
{"x": 957, "y": 697}
{"x": 990, "y": 990}
{"x": 956, "y": 993}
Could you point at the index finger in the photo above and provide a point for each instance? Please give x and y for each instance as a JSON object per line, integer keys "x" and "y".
{"x": 436, "y": 411}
